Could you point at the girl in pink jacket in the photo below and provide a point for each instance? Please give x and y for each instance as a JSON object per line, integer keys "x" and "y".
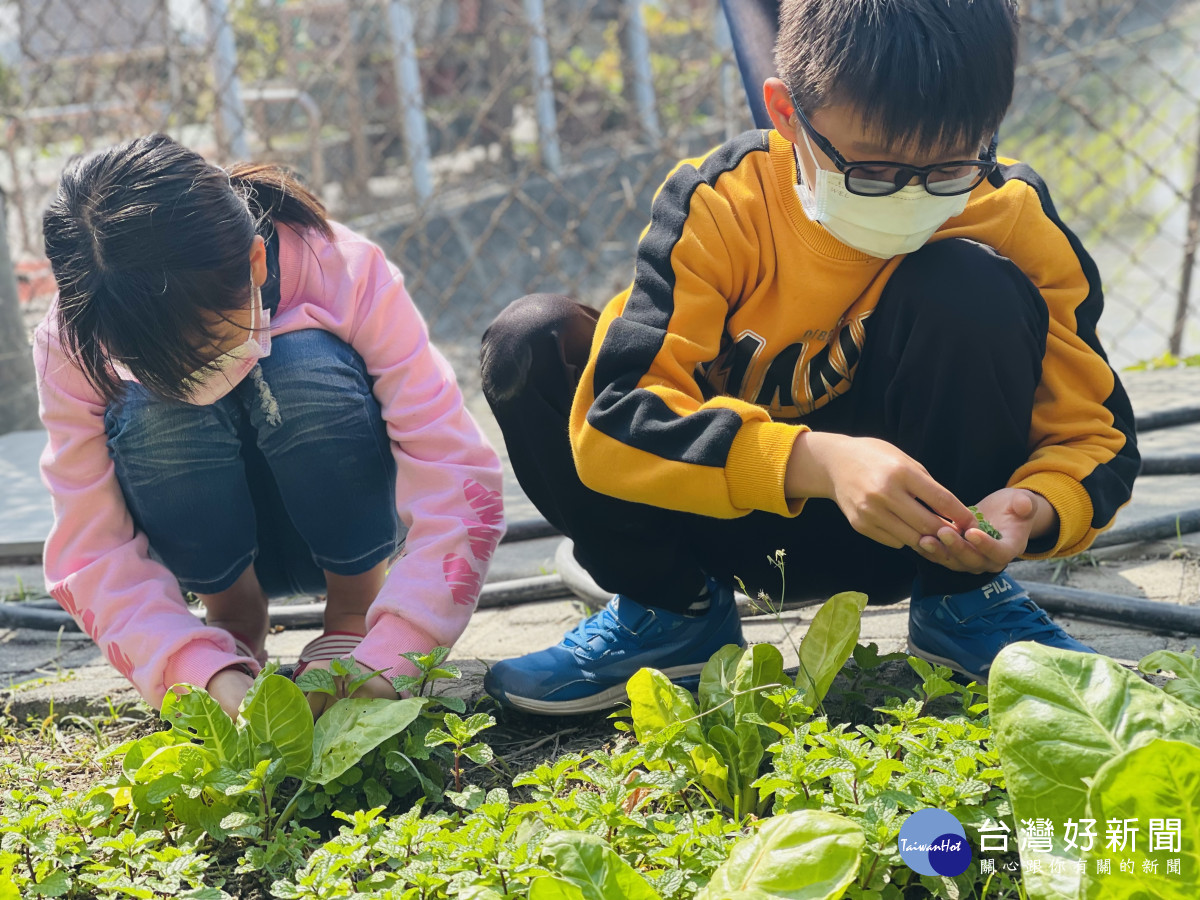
{"x": 242, "y": 401}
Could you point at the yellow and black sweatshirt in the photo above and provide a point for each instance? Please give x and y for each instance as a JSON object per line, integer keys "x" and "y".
{"x": 743, "y": 316}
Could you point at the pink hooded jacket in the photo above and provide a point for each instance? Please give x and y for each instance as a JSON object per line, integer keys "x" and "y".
{"x": 448, "y": 483}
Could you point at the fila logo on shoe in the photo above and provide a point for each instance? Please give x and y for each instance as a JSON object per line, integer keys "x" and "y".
{"x": 995, "y": 587}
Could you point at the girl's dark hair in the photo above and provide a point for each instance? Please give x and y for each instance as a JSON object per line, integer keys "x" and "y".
{"x": 927, "y": 74}
{"x": 150, "y": 245}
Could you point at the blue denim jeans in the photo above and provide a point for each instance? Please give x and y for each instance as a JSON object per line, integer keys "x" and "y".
{"x": 291, "y": 471}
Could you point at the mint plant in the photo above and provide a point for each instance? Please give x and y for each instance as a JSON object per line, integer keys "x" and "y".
{"x": 460, "y": 735}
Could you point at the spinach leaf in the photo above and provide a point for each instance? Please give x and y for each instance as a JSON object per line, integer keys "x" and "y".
{"x": 806, "y": 855}
{"x": 196, "y": 716}
{"x": 351, "y": 728}
{"x": 584, "y": 867}
{"x": 277, "y": 715}
{"x": 1186, "y": 669}
{"x": 1160, "y": 780}
{"x": 1057, "y": 717}
{"x": 828, "y": 643}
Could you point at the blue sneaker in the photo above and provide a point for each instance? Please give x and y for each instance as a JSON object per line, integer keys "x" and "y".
{"x": 587, "y": 671}
{"x": 965, "y": 631}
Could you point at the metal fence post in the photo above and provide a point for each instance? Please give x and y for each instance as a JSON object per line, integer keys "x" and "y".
{"x": 643, "y": 74}
{"x": 729, "y": 90}
{"x": 408, "y": 91}
{"x": 231, "y": 115}
{"x": 543, "y": 85}
{"x": 1190, "y": 249}
{"x": 18, "y": 391}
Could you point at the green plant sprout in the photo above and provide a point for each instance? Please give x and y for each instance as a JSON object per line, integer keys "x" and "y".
{"x": 984, "y": 525}
{"x": 459, "y": 735}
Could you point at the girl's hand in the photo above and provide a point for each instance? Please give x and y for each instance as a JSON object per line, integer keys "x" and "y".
{"x": 1016, "y": 513}
{"x": 377, "y": 687}
{"x": 228, "y": 687}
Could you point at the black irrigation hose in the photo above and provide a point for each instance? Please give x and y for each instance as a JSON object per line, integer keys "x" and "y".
{"x": 1171, "y": 464}
{"x": 528, "y": 530}
{"x": 1167, "y": 418}
{"x": 1160, "y": 528}
{"x": 1145, "y": 615}
{"x": 45, "y": 615}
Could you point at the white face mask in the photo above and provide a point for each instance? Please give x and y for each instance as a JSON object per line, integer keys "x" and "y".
{"x": 208, "y": 385}
{"x": 223, "y": 374}
{"x": 880, "y": 226}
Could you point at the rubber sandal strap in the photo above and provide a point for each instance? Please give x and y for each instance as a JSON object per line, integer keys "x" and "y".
{"x": 330, "y": 645}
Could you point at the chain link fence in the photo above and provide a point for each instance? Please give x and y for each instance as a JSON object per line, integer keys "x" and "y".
{"x": 500, "y": 147}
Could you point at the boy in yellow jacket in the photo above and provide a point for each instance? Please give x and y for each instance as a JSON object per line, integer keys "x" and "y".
{"x": 840, "y": 331}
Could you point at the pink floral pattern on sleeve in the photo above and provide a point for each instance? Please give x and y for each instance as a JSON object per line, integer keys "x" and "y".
{"x": 66, "y": 599}
{"x": 488, "y": 507}
{"x": 465, "y": 583}
{"x": 120, "y": 661}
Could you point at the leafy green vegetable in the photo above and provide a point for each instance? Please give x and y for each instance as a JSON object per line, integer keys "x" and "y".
{"x": 984, "y": 525}
{"x": 459, "y": 735}
{"x": 1159, "y": 780}
{"x": 808, "y": 855}
{"x": 1184, "y": 666}
{"x": 350, "y": 728}
{"x": 663, "y": 712}
{"x": 584, "y": 867}
{"x": 1058, "y": 716}
{"x": 827, "y": 644}
{"x": 276, "y": 714}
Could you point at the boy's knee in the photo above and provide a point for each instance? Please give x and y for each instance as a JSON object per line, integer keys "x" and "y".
{"x": 968, "y": 284}
{"x": 506, "y": 355}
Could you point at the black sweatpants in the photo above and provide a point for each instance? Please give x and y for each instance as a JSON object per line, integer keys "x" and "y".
{"x": 950, "y": 363}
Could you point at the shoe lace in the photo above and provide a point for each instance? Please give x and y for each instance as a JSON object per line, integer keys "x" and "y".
{"x": 1022, "y": 619}
{"x": 603, "y": 623}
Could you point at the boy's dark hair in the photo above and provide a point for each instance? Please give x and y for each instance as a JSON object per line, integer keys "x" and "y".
{"x": 924, "y": 74}
{"x": 148, "y": 241}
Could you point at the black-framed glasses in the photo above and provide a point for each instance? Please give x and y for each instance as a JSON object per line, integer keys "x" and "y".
{"x": 880, "y": 178}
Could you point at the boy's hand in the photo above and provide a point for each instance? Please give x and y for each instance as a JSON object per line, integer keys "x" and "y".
{"x": 1017, "y": 514}
{"x": 377, "y": 687}
{"x": 228, "y": 687}
{"x": 884, "y": 493}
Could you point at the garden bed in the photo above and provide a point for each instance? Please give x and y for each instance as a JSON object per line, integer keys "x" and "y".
{"x": 772, "y": 784}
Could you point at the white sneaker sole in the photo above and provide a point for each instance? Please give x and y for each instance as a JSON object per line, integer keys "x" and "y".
{"x": 914, "y": 650}
{"x": 606, "y": 699}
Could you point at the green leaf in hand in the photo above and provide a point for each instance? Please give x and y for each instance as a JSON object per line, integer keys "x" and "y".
{"x": 984, "y": 525}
